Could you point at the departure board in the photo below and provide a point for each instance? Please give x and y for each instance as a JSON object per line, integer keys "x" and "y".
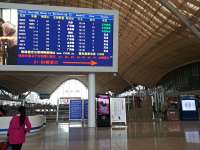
{"x": 53, "y": 38}
{"x": 64, "y": 38}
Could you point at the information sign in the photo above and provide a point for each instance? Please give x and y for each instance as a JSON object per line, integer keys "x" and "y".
{"x": 61, "y": 39}
{"x": 118, "y": 110}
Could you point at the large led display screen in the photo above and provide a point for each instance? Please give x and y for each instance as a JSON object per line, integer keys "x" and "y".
{"x": 188, "y": 105}
{"x": 46, "y": 38}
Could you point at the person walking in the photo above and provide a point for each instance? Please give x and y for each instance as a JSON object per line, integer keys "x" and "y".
{"x": 19, "y": 126}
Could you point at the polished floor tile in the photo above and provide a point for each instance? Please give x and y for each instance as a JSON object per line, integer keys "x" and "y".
{"x": 137, "y": 136}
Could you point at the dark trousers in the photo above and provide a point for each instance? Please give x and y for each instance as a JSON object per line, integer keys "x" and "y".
{"x": 16, "y": 146}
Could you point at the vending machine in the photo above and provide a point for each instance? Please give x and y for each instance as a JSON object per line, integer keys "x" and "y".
{"x": 103, "y": 110}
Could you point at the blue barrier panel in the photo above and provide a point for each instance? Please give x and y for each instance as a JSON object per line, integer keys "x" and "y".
{"x": 85, "y": 109}
{"x": 75, "y": 110}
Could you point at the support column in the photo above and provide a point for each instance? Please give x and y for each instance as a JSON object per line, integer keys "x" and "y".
{"x": 57, "y": 113}
{"x": 91, "y": 101}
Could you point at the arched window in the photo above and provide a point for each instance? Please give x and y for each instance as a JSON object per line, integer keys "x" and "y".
{"x": 70, "y": 88}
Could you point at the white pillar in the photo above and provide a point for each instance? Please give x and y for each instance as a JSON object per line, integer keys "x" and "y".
{"x": 57, "y": 113}
{"x": 91, "y": 101}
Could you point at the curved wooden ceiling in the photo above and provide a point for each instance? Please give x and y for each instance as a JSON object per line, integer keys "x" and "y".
{"x": 152, "y": 42}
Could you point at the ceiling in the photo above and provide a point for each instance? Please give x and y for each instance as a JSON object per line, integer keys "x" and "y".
{"x": 152, "y": 42}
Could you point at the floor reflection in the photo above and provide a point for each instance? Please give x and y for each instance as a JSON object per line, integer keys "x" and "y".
{"x": 140, "y": 136}
{"x": 119, "y": 138}
{"x": 192, "y": 136}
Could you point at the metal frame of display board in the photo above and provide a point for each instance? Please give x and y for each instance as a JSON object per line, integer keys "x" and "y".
{"x": 46, "y": 68}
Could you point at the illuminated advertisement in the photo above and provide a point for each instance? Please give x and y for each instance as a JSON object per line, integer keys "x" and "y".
{"x": 103, "y": 110}
{"x": 68, "y": 37}
{"x": 103, "y": 105}
{"x": 188, "y": 105}
{"x": 188, "y": 109}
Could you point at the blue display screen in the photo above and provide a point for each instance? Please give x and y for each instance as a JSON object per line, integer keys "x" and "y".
{"x": 64, "y": 38}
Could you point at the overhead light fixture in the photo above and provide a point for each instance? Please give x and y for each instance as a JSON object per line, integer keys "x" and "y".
{"x": 115, "y": 74}
{"x": 77, "y": 75}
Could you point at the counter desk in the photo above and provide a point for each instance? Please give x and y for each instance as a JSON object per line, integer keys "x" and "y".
{"x": 37, "y": 122}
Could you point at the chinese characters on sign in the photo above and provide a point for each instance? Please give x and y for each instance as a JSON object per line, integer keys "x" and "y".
{"x": 64, "y": 38}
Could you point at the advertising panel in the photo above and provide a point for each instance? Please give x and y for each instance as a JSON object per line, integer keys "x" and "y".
{"x": 118, "y": 110}
{"x": 188, "y": 108}
{"x": 188, "y": 105}
{"x": 103, "y": 110}
{"x": 103, "y": 106}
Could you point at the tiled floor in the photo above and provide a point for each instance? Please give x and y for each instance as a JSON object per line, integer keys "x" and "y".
{"x": 137, "y": 136}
